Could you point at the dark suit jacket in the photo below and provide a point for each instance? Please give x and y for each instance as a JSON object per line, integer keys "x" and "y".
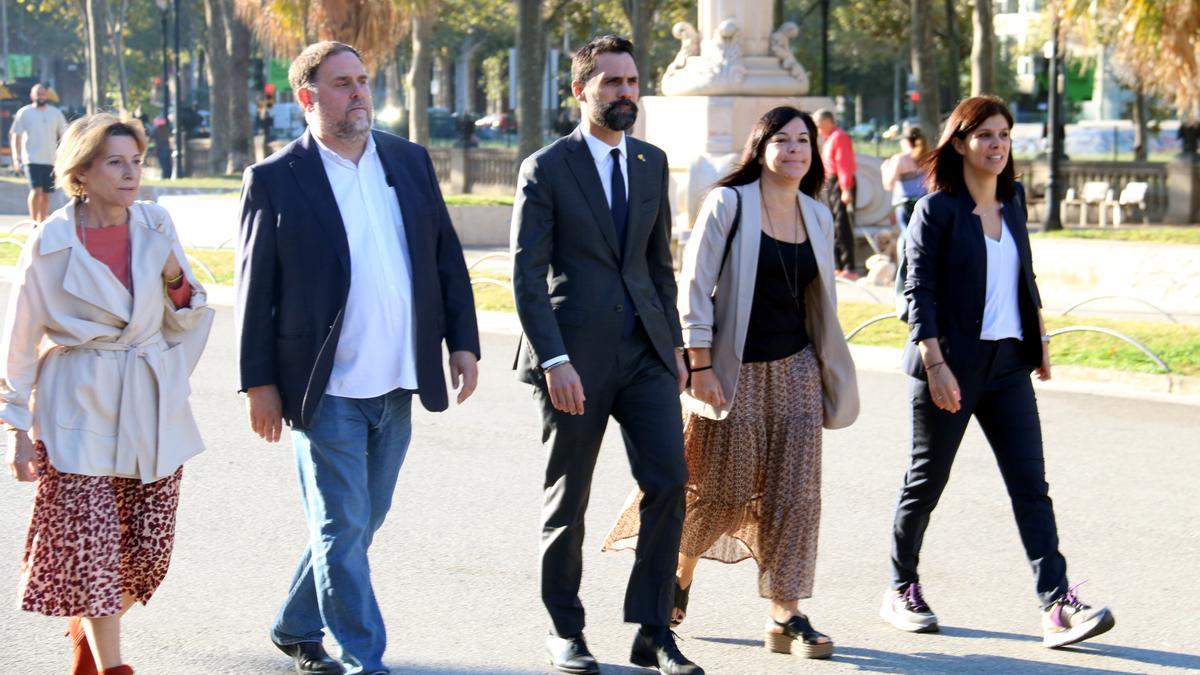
{"x": 947, "y": 279}
{"x": 293, "y": 274}
{"x": 568, "y": 270}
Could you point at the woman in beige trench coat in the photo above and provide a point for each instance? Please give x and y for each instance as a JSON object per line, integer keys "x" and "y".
{"x": 104, "y": 325}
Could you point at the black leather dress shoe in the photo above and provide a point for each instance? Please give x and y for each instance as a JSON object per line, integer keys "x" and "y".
{"x": 310, "y": 658}
{"x": 571, "y": 655}
{"x": 658, "y": 650}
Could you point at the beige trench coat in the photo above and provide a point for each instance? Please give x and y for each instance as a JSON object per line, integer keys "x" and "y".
{"x": 98, "y": 374}
{"x": 725, "y": 333}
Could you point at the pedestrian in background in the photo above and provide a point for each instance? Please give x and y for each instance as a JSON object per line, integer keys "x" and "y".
{"x": 976, "y": 334}
{"x": 904, "y": 177}
{"x": 837, "y": 155}
{"x": 595, "y": 293}
{"x": 34, "y": 136}
{"x": 769, "y": 367}
{"x": 162, "y": 146}
{"x": 105, "y": 324}
{"x": 350, "y": 280}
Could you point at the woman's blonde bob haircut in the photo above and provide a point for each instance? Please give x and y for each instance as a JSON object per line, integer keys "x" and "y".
{"x": 83, "y": 143}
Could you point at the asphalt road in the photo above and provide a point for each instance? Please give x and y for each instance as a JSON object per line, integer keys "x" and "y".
{"x": 455, "y": 565}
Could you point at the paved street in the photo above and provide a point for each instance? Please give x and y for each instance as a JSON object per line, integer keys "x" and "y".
{"x": 455, "y": 566}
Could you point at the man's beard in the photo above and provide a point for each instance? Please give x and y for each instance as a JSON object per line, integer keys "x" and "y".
{"x": 353, "y": 130}
{"x": 618, "y": 115}
{"x": 40, "y": 103}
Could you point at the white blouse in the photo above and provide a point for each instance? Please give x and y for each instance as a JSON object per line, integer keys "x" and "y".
{"x": 1001, "y": 313}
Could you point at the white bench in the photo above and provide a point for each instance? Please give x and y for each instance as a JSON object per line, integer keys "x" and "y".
{"x": 1094, "y": 192}
{"x": 1133, "y": 194}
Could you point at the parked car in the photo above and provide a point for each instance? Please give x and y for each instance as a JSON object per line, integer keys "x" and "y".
{"x": 495, "y": 125}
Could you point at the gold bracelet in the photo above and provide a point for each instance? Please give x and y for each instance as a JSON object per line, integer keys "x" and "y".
{"x": 174, "y": 283}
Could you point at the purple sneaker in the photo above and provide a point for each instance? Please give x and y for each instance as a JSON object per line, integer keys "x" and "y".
{"x": 906, "y": 609}
{"x": 1069, "y": 620}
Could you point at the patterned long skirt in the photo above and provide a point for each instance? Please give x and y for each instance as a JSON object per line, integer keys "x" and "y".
{"x": 754, "y": 486}
{"x": 93, "y": 538}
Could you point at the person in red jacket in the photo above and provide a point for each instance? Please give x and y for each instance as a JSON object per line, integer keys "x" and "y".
{"x": 837, "y": 153}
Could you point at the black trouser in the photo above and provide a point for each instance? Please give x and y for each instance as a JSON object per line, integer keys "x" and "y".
{"x": 843, "y": 232}
{"x": 997, "y": 390}
{"x": 642, "y": 395}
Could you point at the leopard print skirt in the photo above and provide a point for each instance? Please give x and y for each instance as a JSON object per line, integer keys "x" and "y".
{"x": 754, "y": 486}
{"x": 94, "y": 538}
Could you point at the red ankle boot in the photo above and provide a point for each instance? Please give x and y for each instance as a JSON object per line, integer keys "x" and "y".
{"x": 117, "y": 670}
{"x": 82, "y": 662}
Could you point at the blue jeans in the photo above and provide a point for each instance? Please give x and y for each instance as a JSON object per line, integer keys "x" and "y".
{"x": 348, "y": 463}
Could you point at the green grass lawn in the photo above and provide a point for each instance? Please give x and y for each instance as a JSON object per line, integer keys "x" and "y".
{"x": 1183, "y": 234}
{"x": 1178, "y": 345}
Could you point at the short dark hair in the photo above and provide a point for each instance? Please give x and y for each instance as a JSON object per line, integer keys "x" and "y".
{"x": 303, "y": 70}
{"x": 583, "y": 65}
{"x": 749, "y": 167}
{"x": 944, "y": 165}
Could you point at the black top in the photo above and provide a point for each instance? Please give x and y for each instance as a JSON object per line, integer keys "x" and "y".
{"x": 776, "y": 328}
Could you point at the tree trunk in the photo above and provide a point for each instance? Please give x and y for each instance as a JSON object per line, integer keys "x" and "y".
{"x": 218, "y": 87}
{"x": 443, "y": 67}
{"x": 924, "y": 68}
{"x": 641, "y": 19}
{"x": 116, "y": 37}
{"x": 954, "y": 48}
{"x": 391, "y": 84}
{"x": 94, "y": 16}
{"x": 1140, "y": 132}
{"x": 419, "y": 76}
{"x": 983, "y": 73}
{"x": 241, "y": 128}
{"x": 531, "y": 63}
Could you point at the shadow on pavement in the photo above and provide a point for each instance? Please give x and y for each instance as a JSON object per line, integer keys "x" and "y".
{"x": 1148, "y": 656}
{"x": 732, "y": 641}
{"x": 877, "y": 661}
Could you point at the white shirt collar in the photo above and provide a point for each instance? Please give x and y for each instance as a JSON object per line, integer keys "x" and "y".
{"x": 333, "y": 156}
{"x": 601, "y": 150}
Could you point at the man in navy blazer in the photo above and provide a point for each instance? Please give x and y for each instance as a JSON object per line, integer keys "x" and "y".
{"x": 349, "y": 278}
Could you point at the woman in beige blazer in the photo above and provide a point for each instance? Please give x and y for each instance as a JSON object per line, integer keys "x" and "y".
{"x": 105, "y": 324}
{"x": 769, "y": 368}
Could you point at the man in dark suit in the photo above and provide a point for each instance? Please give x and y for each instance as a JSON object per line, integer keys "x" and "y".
{"x": 595, "y": 292}
{"x": 349, "y": 277}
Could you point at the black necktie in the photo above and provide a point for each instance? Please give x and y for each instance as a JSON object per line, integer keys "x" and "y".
{"x": 620, "y": 203}
{"x": 620, "y": 216}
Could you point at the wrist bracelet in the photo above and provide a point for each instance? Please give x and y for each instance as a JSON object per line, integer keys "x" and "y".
{"x": 174, "y": 282}
{"x": 935, "y": 365}
{"x": 1046, "y": 339}
{"x": 696, "y": 370}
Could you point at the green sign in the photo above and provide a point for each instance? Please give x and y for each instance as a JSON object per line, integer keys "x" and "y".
{"x": 277, "y": 74}
{"x": 20, "y": 65}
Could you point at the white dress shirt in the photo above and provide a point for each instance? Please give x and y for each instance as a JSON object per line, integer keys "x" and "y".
{"x": 1001, "y": 312}
{"x": 602, "y": 155}
{"x": 377, "y": 349}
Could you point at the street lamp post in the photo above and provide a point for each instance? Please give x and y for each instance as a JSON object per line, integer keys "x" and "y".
{"x": 178, "y": 172}
{"x": 1053, "y": 220}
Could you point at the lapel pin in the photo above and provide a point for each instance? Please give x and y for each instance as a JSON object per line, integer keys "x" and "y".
{"x": 641, "y": 157}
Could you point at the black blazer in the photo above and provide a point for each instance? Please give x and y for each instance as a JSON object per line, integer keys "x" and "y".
{"x": 568, "y": 270}
{"x": 947, "y": 279}
{"x": 293, "y": 274}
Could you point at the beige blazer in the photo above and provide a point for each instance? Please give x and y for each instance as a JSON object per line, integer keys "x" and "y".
{"x": 725, "y": 333}
{"x": 98, "y": 374}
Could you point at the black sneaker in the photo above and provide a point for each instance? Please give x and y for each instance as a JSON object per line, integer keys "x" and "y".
{"x": 658, "y": 650}
{"x": 571, "y": 655}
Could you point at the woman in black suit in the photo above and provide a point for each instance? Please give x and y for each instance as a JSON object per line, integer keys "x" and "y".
{"x": 976, "y": 333}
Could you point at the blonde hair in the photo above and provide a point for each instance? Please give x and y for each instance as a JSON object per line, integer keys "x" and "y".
{"x": 83, "y": 143}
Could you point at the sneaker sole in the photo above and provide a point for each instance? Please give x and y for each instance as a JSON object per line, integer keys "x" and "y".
{"x": 1084, "y": 631}
{"x": 908, "y": 626}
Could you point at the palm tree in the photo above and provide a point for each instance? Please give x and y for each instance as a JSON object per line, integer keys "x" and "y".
{"x": 1156, "y": 44}
{"x": 373, "y": 27}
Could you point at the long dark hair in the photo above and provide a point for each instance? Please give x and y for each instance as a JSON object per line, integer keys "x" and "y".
{"x": 749, "y": 167}
{"x": 944, "y": 165}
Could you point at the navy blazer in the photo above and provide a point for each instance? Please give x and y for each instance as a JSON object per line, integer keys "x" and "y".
{"x": 293, "y": 274}
{"x": 570, "y": 272}
{"x": 947, "y": 279}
